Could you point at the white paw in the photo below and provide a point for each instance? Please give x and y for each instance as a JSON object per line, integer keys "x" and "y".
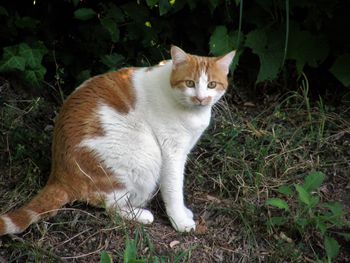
{"x": 144, "y": 216}
{"x": 189, "y": 213}
{"x": 138, "y": 214}
{"x": 184, "y": 224}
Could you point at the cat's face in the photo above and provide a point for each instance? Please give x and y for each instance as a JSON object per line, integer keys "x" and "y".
{"x": 198, "y": 81}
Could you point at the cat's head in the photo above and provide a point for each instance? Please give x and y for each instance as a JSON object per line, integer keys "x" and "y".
{"x": 198, "y": 81}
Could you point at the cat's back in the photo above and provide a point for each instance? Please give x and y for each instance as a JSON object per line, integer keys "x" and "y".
{"x": 113, "y": 88}
{"x": 79, "y": 115}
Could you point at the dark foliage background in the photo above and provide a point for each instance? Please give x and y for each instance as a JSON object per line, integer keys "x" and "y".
{"x": 283, "y": 124}
{"x": 68, "y": 41}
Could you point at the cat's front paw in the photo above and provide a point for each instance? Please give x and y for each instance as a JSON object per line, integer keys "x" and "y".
{"x": 140, "y": 215}
{"x": 189, "y": 213}
{"x": 184, "y": 224}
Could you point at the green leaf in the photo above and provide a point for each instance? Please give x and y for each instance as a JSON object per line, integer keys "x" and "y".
{"x": 111, "y": 27}
{"x": 34, "y": 77}
{"x": 279, "y": 203}
{"x": 32, "y": 56}
{"x": 270, "y": 65}
{"x": 313, "y": 181}
{"x": 113, "y": 12}
{"x": 336, "y": 208}
{"x": 257, "y": 40}
{"x": 130, "y": 250}
{"x": 286, "y": 190}
{"x": 314, "y": 201}
{"x": 320, "y": 225}
{"x": 268, "y": 45}
{"x": 306, "y": 48}
{"x": 332, "y": 248}
{"x": 26, "y": 22}
{"x": 221, "y": 42}
{"x": 278, "y": 220}
{"x": 152, "y": 3}
{"x": 105, "y": 257}
{"x": 112, "y": 61}
{"x": 303, "y": 195}
{"x": 213, "y": 5}
{"x": 302, "y": 222}
{"x": 164, "y": 7}
{"x": 341, "y": 69}
{"x": 83, "y": 75}
{"x": 84, "y": 14}
{"x": 12, "y": 63}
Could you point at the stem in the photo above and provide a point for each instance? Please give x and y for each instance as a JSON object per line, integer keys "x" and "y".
{"x": 287, "y": 32}
{"x": 240, "y": 23}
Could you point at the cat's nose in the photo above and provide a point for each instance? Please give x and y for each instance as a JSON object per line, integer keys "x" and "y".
{"x": 199, "y": 99}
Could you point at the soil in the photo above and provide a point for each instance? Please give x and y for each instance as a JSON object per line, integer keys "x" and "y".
{"x": 79, "y": 233}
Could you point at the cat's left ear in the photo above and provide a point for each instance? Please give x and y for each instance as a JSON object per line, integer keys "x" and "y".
{"x": 225, "y": 61}
{"x": 178, "y": 56}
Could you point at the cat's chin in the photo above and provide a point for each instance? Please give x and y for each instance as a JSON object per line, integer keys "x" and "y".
{"x": 192, "y": 105}
{"x": 201, "y": 106}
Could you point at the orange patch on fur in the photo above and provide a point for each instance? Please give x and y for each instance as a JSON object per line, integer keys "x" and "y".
{"x": 2, "y": 227}
{"x": 21, "y": 218}
{"x": 76, "y": 173}
{"x": 77, "y": 167}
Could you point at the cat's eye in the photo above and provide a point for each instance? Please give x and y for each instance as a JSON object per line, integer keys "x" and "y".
{"x": 190, "y": 83}
{"x": 212, "y": 85}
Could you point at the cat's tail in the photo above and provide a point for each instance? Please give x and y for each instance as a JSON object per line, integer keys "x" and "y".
{"x": 45, "y": 203}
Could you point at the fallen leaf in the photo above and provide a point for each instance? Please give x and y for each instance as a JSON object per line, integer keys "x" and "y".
{"x": 249, "y": 104}
{"x": 213, "y": 199}
{"x": 174, "y": 243}
{"x": 201, "y": 227}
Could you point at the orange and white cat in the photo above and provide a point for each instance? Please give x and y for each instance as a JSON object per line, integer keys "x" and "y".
{"x": 122, "y": 134}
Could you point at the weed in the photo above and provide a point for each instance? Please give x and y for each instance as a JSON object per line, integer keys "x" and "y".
{"x": 142, "y": 242}
{"x": 248, "y": 157}
{"x": 308, "y": 213}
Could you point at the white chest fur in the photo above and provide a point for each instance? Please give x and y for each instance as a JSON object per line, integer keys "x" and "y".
{"x": 169, "y": 120}
{"x": 149, "y": 145}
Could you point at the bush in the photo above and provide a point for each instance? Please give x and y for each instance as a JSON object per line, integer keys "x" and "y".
{"x": 83, "y": 38}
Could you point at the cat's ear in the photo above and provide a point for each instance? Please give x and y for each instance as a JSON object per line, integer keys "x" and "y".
{"x": 225, "y": 61}
{"x": 178, "y": 56}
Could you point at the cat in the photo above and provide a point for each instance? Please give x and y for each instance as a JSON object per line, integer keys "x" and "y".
{"x": 121, "y": 135}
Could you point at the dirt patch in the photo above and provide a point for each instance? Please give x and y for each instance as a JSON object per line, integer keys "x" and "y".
{"x": 229, "y": 176}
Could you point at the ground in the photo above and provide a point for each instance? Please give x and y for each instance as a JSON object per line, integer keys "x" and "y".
{"x": 250, "y": 151}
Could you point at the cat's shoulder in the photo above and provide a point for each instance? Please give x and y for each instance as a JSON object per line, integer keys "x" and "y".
{"x": 114, "y": 88}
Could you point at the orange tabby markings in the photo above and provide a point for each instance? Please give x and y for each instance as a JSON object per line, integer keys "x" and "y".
{"x": 2, "y": 226}
{"x": 78, "y": 120}
{"x": 108, "y": 152}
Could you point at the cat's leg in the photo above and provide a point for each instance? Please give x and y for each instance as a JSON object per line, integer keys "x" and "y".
{"x": 122, "y": 202}
{"x": 189, "y": 212}
{"x": 171, "y": 185}
{"x": 129, "y": 202}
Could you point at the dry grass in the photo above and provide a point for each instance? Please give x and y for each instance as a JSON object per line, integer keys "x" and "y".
{"x": 248, "y": 152}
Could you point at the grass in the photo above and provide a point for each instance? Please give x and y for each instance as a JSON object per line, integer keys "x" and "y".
{"x": 244, "y": 160}
{"x": 249, "y": 158}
